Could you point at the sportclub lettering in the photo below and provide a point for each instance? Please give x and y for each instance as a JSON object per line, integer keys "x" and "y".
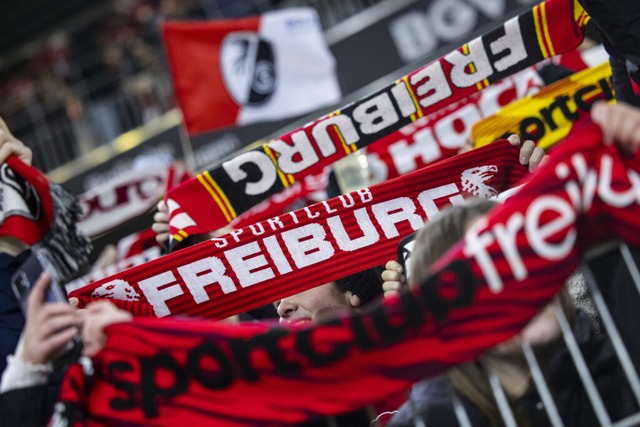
{"x": 217, "y": 366}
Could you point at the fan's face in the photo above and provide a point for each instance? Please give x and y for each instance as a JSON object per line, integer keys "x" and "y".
{"x": 313, "y": 304}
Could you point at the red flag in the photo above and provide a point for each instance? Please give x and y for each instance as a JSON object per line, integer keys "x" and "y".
{"x": 249, "y": 70}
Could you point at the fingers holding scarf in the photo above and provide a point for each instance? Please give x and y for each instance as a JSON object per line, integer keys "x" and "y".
{"x": 9, "y": 145}
{"x": 620, "y": 123}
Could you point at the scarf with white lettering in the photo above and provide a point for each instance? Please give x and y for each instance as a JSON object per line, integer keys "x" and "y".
{"x": 217, "y": 196}
{"x": 296, "y": 251}
{"x": 482, "y": 292}
{"x": 43, "y": 215}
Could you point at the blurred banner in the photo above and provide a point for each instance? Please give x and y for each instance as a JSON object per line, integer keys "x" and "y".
{"x": 382, "y": 40}
{"x": 440, "y": 135}
{"x": 122, "y": 199}
{"x": 250, "y": 70}
{"x": 128, "y": 196}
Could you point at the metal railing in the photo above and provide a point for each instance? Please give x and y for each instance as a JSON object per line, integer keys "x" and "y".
{"x": 613, "y": 278}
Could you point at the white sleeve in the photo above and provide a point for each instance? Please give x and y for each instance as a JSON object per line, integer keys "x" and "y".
{"x": 21, "y": 374}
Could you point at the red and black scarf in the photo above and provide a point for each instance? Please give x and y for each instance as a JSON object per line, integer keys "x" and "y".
{"x": 43, "y": 215}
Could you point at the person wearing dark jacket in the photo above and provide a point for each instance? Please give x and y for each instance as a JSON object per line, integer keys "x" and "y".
{"x": 619, "y": 23}
{"x": 12, "y": 254}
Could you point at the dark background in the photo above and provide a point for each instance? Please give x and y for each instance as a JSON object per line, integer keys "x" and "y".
{"x": 22, "y": 20}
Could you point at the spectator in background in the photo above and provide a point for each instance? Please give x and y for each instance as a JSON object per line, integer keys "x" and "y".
{"x": 12, "y": 253}
{"x": 315, "y": 304}
{"x": 618, "y": 21}
{"x": 328, "y": 300}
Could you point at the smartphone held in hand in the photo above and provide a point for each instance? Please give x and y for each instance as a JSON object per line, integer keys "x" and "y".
{"x": 24, "y": 280}
{"x": 26, "y": 276}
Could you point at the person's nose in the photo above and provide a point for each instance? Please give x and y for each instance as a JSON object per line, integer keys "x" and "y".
{"x": 286, "y": 308}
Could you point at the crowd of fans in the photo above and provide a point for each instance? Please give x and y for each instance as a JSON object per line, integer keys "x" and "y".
{"x": 128, "y": 46}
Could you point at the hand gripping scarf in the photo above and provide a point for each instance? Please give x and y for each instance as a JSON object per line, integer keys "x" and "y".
{"x": 43, "y": 215}
{"x": 482, "y": 292}
{"x": 215, "y": 197}
{"x": 293, "y": 252}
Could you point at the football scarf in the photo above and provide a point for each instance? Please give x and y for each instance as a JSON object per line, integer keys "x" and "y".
{"x": 296, "y": 251}
{"x": 215, "y": 197}
{"x": 547, "y": 116}
{"x": 482, "y": 292}
{"x": 43, "y": 215}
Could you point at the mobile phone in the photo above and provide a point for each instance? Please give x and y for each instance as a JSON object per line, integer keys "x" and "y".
{"x": 22, "y": 282}
{"x": 27, "y": 275}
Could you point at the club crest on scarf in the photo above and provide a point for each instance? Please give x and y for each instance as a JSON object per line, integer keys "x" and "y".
{"x": 248, "y": 68}
{"x": 117, "y": 289}
{"x": 474, "y": 181}
{"x": 19, "y": 195}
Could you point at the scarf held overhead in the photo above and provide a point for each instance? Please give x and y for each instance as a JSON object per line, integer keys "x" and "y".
{"x": 215, "y": 197}
{"x": 431, "y": 138}
{"x": 284, "y": 255}
{"x": 482, "y": 292}
{"x": 43, "y": 215}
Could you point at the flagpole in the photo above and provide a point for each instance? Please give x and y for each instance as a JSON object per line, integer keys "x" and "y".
{"x": 185, "y": 142}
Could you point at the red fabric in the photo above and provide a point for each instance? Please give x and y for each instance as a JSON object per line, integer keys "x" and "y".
{"x": 214, "y": 198}
{"x": 165, "y": 371}
{"x": 241, "y": 71}
{"x": 31, "y": 224}
{"x": 177, "y": 173}
{"x": 442, "y": 133}
{"x": 635, "y": 86}
{"x": 281, "y": 256}
{"x": 304, "y": 192}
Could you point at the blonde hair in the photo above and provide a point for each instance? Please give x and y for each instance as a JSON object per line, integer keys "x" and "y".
{"x": 441, "y": 233}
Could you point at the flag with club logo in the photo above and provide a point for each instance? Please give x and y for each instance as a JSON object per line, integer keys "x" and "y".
{"x": 242, "y": 71}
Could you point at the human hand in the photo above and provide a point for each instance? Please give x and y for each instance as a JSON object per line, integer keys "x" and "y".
{"x": 97, "y": 316}
{"x": 619, "y": 122}
{"x": 467, "y": 146}
{"x": 9, "y": 145}
{"x": 393, "y": 278}
{"x": 529, "y": 154}
{"x": 161, "y": 223}
{"x": 49, "y": 327}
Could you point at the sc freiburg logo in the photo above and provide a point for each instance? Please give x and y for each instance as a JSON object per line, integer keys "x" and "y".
{"x": 248, "y": 68}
